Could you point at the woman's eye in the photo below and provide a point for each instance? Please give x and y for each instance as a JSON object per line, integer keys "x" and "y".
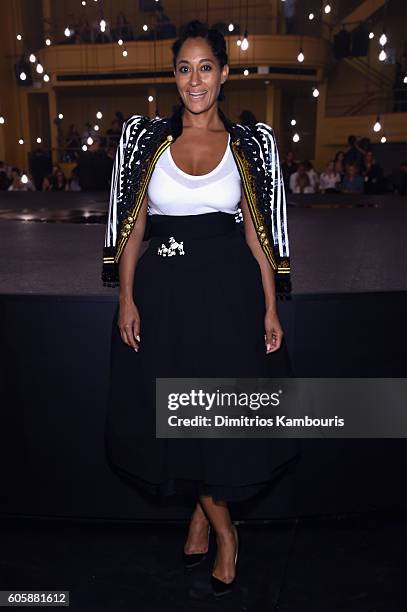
{"x": 204, "y": 66}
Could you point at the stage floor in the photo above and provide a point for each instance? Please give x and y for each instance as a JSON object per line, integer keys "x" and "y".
{"x": 51, "y": 243}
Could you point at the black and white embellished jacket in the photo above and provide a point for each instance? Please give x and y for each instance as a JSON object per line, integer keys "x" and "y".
{"x": 254, "y": 148}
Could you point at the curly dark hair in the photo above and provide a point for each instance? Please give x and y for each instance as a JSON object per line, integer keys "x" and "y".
{"x": 215, "y": 39}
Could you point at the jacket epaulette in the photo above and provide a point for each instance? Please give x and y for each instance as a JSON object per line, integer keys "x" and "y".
{"x": 255, "y": 151}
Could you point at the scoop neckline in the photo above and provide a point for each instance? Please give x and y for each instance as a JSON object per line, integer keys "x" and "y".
{"x": 200, "y": 176}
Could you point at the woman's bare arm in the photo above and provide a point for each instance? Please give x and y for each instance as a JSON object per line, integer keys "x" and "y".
{"x": 273, "y": 330}
{"x": 129, "y": 319}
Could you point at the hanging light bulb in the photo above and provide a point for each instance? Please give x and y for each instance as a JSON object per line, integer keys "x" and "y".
{"x": 60, "y": 116}
{"x": 102, "y": 25}
{"x": 32, "y": 58}
{"x": 99, "y": 115}
{"x": 21, "y": 141}
{"x": 327, "y": 9}
{"x": 24, "y": 179}
{"x": 293, "y": 122}
{"x": 39, "y": 140}
{"x": 311, "y": 16}
{"x": 2, "y": 120}
{"x": 46, "y": 78}
{"x": 83, "y": 2}
{"x": 23, "y": 76}
{"x": 48, "y": 42}
{"x": 245, "y": 42}
{"x": 120, "y": 42}
{"x": 84, "y": 148}
{"x": 89, "y": 141}
{"x": 39, "y": 68}
{"x": 383, "y": 39}
{"x": 382, "y": 55}
{"x": 145, "y": 27}
{"x": 150, "y": 98}
{"x": 296, "y": 137}
{"x": 315, "y": 92}
{"x": 405, "y": 80}
{"x": 383, "y": 139}
{"x": 124, "y": 53}
{"x": 246, "y": 72}
{"x": 19, "y": 37}
{"x": 67, "y": 32}
{"x": 238, "y": 42}
{"x": 301, "y": 56}
{"x": 371, "y": 35}
{"x": 377, "y": 126}
{"x": 231, "y": 27}
{"x": 96, "y": 127}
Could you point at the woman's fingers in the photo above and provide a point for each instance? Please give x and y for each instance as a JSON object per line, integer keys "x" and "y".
{"x": 130, "y": 334}
{"x": 273, "y": 338}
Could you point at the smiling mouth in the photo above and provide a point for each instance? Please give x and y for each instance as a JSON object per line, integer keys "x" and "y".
{"x": 197, "y": 95}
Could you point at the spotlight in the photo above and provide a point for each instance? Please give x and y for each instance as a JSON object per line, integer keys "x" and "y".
{"x": 120, "y": 42}
{"x": 293, "y": 122}
{"x": 46, "y": 78}
{"x": 383, "y": 39}
{"x": 382, "y": 55}
{"x": 102, "y": 25}
{"x": 96, "y": 127}
{"x": 150, "y": 98}
{"x": 89, "y": 140}
{"x": 327, "y": 9}
{"x": 238, "y": 42}
{"x": 39, "y": 140}
{"x": 2, "y": 120}
{"x": 60, "y": 116}
{"x": 371, "y": 35}
{"x": 383, "y": 139}
{"x": 67, "y": 32}
{"x": 40, "y": 68}
{"x": 296, "y": 137}
{"x": 32, "y": 58}
{"x": 405, "y": 80}
{"x": 84, "y": 148}
{"x": 311, "y": 16}
{"x": 48, "y": 42}
{"x": 24, "y": 179}
{"x": 83, "y": 2}
{"x": 377, "y": 126}
{"x": 99, "y": 115}
{"x": 145, "y": 27}
{"x": 23, "y": 76}
{"x": 231, "y": 27}
{"x": 315, "y": 92}
{"x": 19, "y": 37}
{"x": 301, "y": 56}
{"x": 246, "y": 72}
{"x": 21, "y": 141}
{"x": 124, "y": 53}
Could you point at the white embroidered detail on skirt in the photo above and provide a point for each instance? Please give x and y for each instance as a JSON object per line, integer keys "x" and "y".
{"x": 175, "y": 248}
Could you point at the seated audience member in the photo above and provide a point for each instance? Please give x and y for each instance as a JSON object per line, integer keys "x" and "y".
{"x": 288, "y": 168}
{"x": 114, "y": 133}
{"x": 297, "y": 182}
{"x": 4, "y": 177}
{"x": 46, "y": 184}
{"x": 329, "y": 180}
{"x": 59, "y": 181}
{"x": 352, "y": 182}
{"x": 372, "y": 174}
{"x": 338, "y": 163}
{"x": 312, "y": 175}
{"x": 72, "y": 184}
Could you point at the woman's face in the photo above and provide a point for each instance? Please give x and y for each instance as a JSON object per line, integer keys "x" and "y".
{"x": 197, "y": 72}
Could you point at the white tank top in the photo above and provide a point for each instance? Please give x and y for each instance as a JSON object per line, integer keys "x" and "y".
{"x": 171, "y": 191}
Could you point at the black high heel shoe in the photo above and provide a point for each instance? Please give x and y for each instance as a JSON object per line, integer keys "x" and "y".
{"x": 219, "y": 587}
{"x": 193, "y": 559}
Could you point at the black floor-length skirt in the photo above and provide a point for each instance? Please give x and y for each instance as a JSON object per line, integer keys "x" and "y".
{"x": 202, "y": 316}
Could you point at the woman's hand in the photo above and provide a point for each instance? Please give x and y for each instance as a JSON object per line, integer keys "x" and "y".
{"x": 129, "y": 323}
{"x": 274, "y": 333}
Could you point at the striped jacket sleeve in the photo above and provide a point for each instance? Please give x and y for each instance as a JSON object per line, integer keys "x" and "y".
{"x": 110, "y": 268}
{"x": 276, "y": 196}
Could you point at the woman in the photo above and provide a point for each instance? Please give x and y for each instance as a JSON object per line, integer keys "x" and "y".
{"x": 209, "y": 310}
{"x": 329, "y": 179}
